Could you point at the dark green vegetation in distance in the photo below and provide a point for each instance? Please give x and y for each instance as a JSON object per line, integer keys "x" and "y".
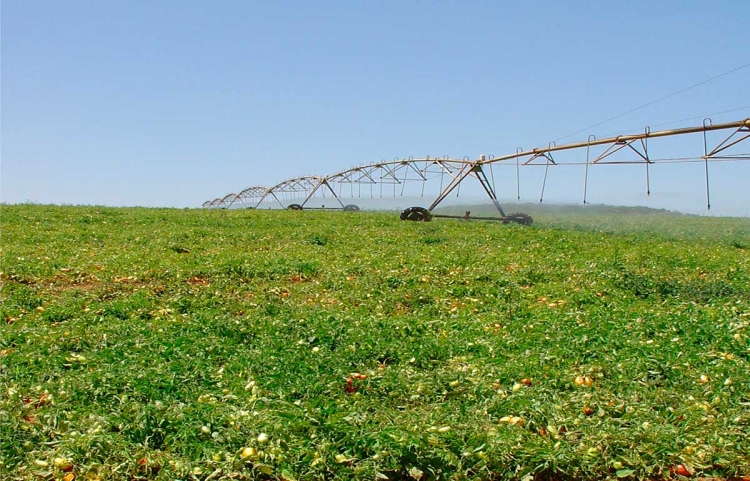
{"x": 197, "y": 344}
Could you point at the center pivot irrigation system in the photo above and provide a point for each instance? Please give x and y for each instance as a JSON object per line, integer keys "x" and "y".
{"x": 390, "y": 178}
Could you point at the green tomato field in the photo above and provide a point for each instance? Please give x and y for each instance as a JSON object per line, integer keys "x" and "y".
{"x": 206, "y": 345}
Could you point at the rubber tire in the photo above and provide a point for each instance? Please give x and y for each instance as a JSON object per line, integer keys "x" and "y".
{"x": 518, "y": 218}
{"x": 416, "y": 214}
{"x": 294, "y": 207}
{"x": 351, "y": 208}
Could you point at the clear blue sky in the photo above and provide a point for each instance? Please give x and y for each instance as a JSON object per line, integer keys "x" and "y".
{"x": 171, "y": 103}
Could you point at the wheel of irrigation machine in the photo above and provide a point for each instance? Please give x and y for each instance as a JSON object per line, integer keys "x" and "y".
{"x": 294, "y": 207}
{"x": 351, "y": 208}
{"x": 417, "y": 214}
{"x": 518, "y": 218}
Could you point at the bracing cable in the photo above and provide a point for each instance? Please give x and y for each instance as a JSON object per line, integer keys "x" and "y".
{"x": 655, "y": 101}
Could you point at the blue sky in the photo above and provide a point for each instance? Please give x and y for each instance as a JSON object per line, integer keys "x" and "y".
{"x": 172, "y": 103}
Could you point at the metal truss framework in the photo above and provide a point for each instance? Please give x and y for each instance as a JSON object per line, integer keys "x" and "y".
{"x": 390, "y": 178}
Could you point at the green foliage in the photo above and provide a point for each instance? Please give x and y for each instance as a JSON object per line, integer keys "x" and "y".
{"x": 197, "y": 344}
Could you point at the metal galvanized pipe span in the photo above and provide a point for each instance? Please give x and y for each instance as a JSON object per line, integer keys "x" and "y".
{"x": 622, "y": 138}
{"x": 401, "y": 171}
